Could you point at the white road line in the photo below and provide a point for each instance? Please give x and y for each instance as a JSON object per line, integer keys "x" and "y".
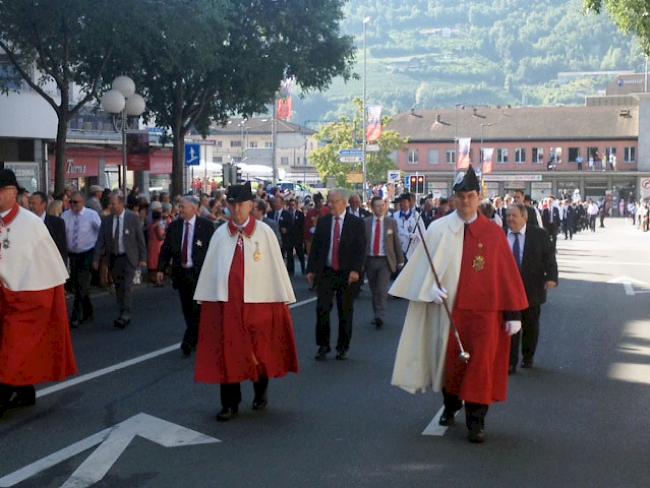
{"x": 569, "y": 260}
{"x": 434, "y": 428}
{"x": 125, "y": 364}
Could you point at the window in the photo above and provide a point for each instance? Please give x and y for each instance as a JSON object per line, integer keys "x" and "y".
{"x": 574, "y": 154}
{"x": 217, "y": 159}
{"x": 502, "y": 155}
{"x": 434, "y": 156}
{"x": 520, "y": 155}
{"x": 219, "y": 143}
{"x": 252, "y": 144}
{"x": 538, "y": 155}
{"x": 297, "y": 160}
{"x": 284, "y": 160}
{"x": 630, "y": 154}
{"x": 236, "y": 159}
{"x": 268, "y": 145}
{"x": 235, "y": 143}
{"x": 413, "y": 156}
{"x": 451, "y": 156}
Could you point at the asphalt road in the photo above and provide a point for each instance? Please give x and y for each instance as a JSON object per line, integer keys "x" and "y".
{"x": 579, "y": 418}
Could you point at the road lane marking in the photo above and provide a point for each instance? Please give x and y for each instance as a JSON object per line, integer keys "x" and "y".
{"x": 628, "y": 284}
{"x": 570, "y": 260}
{"x": 128, "y": 363}
{"x": 112, "y": 443}
{"x": 434, "y": 428}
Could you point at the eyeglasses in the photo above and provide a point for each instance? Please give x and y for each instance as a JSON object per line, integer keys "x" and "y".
{"x": 75, "y": 201}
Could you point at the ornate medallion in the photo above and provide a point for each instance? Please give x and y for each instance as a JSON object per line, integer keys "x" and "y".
{"x": 257, "y": 255}
{"x": 479, "y": 263}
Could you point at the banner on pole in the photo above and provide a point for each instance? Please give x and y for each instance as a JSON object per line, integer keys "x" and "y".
{"x": 488, "y": 153}
{"x": 463, "y": 160}
{"x": 285, "y": 102}
{"x": 374, "y": 129}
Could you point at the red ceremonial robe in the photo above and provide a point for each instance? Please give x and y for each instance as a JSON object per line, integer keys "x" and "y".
{"x": 489, "y": 285}
{"x": 244, "y": 341}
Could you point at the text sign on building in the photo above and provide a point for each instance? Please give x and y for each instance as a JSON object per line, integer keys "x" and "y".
{"x": 513, "y": 177}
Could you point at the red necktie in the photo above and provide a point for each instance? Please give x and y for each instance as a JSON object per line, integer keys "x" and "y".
{"x": 375, "y": 246}
{"x": 335, "y": 244}
{"x": 185, "y": 239}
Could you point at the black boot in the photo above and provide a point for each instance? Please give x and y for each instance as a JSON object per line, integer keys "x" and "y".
{"x": 453, "y": 404}
{"x": 475, "y": 418}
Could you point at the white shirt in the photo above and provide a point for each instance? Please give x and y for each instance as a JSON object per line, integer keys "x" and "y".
{"x": 43, "y": 216}
{"x": 5, "y": 213}
{"x": 522, "y": 241}
{"x": 119, "y": 220}
{"x": 356, "y": 213}
{"x": 81, "y": 230}
{"x": 593, "y": 209}
{"x": 190, "y": 237}
{"x": 341, "y": 220}
{"x": 382, "y": 248}
{"x": 470, "y": 221}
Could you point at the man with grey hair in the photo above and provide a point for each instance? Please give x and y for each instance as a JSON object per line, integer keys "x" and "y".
{"x": 260, "y": 210}
{"x": 121, "y": 239}
{"x": 95, "y": 199}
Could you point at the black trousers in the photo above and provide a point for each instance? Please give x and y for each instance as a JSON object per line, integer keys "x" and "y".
{"x": 289, "y": 245}
{"x": 122, "y": 273}
{"x": 185, "y": 283}
{"x": 474, "y": 412}
{"x": 592, "y": 223}
{"x": 528, "y": 336}
{"x": 80, "y": 276}
{"x": 332, "y": 284}
{"x": 231, "y": 392}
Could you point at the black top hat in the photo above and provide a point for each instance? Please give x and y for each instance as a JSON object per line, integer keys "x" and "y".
{"x": 240, "y": 193}
{"x": 467, "y": 181}
{"x": 8, "y": 178}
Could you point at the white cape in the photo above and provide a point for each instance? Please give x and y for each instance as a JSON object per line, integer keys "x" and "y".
{"x": 420, "y": 359}
{"x": 265, "y": 280}
{"x": 32, "y": 261}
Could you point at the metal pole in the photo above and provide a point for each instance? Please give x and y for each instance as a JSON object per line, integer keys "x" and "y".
{"x": 274, "y": 137}
{"x": 645, "y": 86}
{"x": 363, "y": 115}
{"x": 124, "y": 154}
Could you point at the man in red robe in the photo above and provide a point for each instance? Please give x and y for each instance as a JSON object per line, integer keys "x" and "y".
{"x": 35, "y": 343}
{"x": 486, "y": 312}
{"x": 246, "y": 330}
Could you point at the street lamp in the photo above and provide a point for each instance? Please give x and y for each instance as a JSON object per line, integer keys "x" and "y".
{"x": 122, "y": 100}
{"x": 363, "y": 135}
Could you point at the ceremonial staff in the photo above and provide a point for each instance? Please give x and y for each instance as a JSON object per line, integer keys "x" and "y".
{"x": 464, "y": 355}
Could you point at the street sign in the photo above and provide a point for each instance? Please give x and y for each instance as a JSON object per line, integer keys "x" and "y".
{"x": 645, "y": 187}
{"x": 201, "y": 142}
{"x": 192, "y": 154}
{"x": 351, "y": 155}
{"x": 354, "y": 178}
{"x": 112, "y": 443}
{"x": 393, "y": 176}
{"x": 372, "y": 148}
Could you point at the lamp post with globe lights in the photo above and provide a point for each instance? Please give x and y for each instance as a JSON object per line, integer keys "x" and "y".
{"x": 122, "y": 101}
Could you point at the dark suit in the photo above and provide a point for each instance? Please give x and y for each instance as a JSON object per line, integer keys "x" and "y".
{"x": 363, "y": 213}
{"x": 184, "y": 279}
{"x": 552, "y": 225}
{"x": 294, "y": 239}
{"x": 56, "y": 226}
{"x": 537, "y": 267}
{"x": 532, "y": 217}
{"x": 331, "y": 283}
{"x": 122, "y": 263}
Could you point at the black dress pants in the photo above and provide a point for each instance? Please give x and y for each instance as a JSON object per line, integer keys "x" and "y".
{"x": 80, "y": 276}
{"x": 186, "y": 285}
{"x": 474, "y": 412}
{"x": 334, "y": 284}
{"x": 288, "y": 251}
{"x": 231, "y": 392}
{"x": 528, "y": 336}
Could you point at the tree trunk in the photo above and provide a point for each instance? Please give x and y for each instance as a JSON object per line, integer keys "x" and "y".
{"x": 59, "y": 158}
{"x": 178, "y": 160}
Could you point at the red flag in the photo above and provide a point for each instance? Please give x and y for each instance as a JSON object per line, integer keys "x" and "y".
{"x": 374, "y": 129}
{"x": 488, "y": 153}
{"x": 285, "y": 108}
{"x": 463, "y": 160}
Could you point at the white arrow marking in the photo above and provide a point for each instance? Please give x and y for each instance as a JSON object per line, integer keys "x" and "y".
{"x": 628, "y": 283}
{"x": 112, "y": 443}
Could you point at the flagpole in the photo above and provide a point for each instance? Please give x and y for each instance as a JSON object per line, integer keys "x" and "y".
{"x": 364, "y": 196}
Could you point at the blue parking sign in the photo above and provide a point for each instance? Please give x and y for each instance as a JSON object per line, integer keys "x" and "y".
{"x": 192, "y": 154}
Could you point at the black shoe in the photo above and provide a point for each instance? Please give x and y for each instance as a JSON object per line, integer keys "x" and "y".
{"x": 447, "y": 418}
{"x": 121, "y": 323}
{"x": 527, "y": 363}
{"x": 186, "y": 348}
{"x": 322, "y": 353}
{"x": 341, "y": 355}
{"x": 23, "y": 396}
{"x": 260, "y": 404}
{"x": 476, "y": 436}
{"x": 74, "y": 324}
{"x": 227, "y": 413}
{"x": 512, "y": 369}
{"x": 378, "y": 323}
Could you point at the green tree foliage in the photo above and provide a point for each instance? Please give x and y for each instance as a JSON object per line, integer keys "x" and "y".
{"x": 631, "y": 16}
{"x": 346, "y": 133}
{"x": 68, "y": 42}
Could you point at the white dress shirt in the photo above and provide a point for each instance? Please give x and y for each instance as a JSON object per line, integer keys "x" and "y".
{"x": 190, "y": 237}
{"x": 382, "y": 248}
{"x": 341, "y": 220}
{"x": 522, "y": 241}
{"x": 119, "y": 220}
{"x": 5, "y": 213}
{"x": 87, "y": 223}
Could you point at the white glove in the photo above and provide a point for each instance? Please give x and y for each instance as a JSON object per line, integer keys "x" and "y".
{"x": 439, "y": 294}
{"x": 513, "y": 326}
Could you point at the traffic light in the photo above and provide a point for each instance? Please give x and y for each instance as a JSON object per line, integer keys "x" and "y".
{"x": 226, "y": 174}
{"x": 420, "y": 185}
{"x": 413, "y": 183}
{"x": 236, "y": 175}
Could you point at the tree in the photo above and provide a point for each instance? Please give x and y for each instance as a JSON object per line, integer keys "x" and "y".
{"x": 631, "y": 16}
{"x": 200, "y": 62}
{"x": 69, "y": 42}
{"x": 346, "y": 134}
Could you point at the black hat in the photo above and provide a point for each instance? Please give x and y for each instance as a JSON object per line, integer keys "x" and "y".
{"x": 240, "y": 193}
{"x": 403, "y": 196}
{"x": 8, "y": 178}
{"x": 467, "y": 181}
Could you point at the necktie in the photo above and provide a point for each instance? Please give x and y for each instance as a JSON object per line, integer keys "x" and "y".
{"x": 516, "y": 250}
{"x": 375, "y": 246}
{"x": 465, "y": 230}
{"x": 185, "y": 244}
{"x": 335, "y": 243}
{"x": 116, "y": 236}
{"x": 75, "y": 233}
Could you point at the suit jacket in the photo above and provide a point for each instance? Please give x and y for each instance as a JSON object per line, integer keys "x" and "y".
{"x": 363, "y": 213}
{"x": 538, "y": 264}
{"x": 296, "y": 228}
{"x": 532, "y": 217}
{"x": 274, "y": 226}
{"x": 171, "y": 252}
{"x": 56, "y": 226}
{"x": 352, "y": 248}
{"x": 551, "y": 227}
{"x": 392, "y": 246}
{"x": 284, "y": 224}
{"x": 132, "y": 238}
